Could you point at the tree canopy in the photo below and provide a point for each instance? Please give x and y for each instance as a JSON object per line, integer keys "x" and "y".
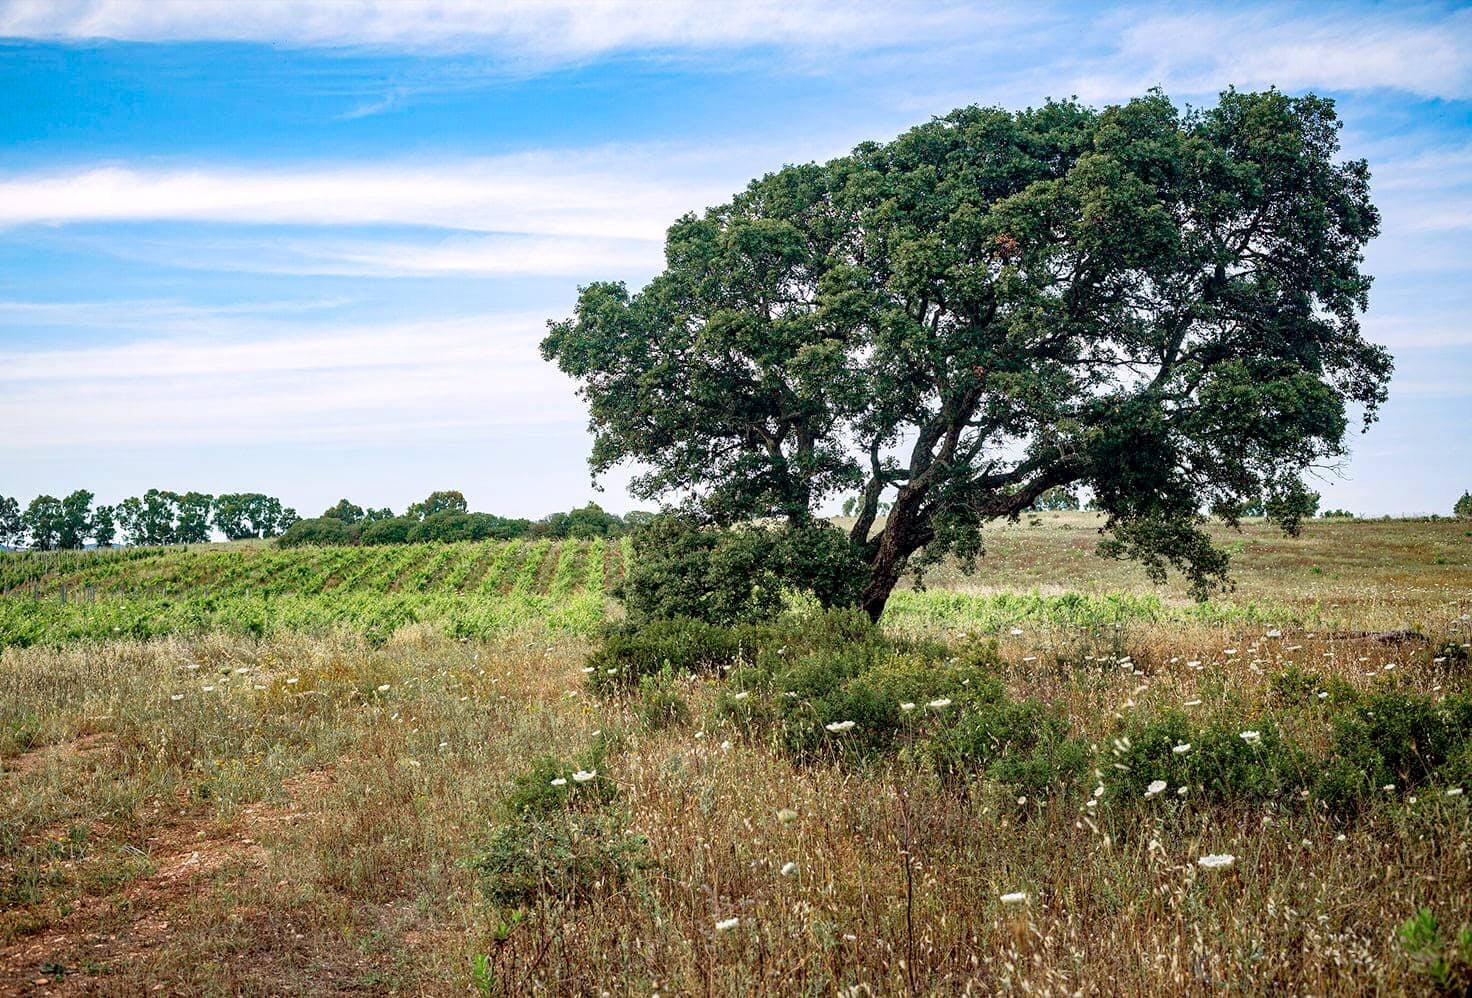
{"x": 1160, "y": 305}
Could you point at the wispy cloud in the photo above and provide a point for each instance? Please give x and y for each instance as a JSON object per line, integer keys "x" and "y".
{"x": 358, "y": 383}
{"x": 543, "y": 28}
{"x": 609, "y": 193}
{"x": 1425, "y": 51}
{"x": 455, "y": 255}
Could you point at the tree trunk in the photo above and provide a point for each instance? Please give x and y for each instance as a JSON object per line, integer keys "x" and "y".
{"x": 903, "y": 535}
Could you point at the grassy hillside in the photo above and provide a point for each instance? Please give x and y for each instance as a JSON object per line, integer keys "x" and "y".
{"x": 354, "y": 771}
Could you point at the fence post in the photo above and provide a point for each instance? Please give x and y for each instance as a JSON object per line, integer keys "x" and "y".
{"x": 63, "y": 594}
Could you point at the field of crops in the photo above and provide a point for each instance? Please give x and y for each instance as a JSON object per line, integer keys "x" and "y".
{"x": 1408, "y": 573}
{"x": 397, "y": 770}
{"x": 462, "y": 589}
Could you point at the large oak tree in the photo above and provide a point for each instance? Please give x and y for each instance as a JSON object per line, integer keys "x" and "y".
{"x": 1160, "y": 305}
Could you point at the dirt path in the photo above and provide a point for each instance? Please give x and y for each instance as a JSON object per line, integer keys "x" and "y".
{"x": 192, "y": 857}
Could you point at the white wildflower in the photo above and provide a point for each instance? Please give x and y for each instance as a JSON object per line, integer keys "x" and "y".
{"x": 1181, "y": 749}
{"x": 907, "y": 707}
{"x": 1155, "y": 787}
{"x": 584, "y": 775}
{"x": 561, "y": 781}
{"x": 1216, "y": 861}
{"x": 727, "y": 924}
{"x": 788, "y": 869}
{"x": 1015, "y": 897}
{"x": 838, "y": 727}
{"x": 1251, "y": 737}
{"x": 940, "y": 704}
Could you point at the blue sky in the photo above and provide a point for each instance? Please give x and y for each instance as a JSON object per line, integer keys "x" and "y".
{"x": 309, "y": 249}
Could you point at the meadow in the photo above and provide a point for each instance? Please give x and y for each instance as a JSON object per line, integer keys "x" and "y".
{"x": 236, "y": 769}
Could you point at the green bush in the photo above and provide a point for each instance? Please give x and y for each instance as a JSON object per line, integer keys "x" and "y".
{"x": 1225, "y": 761}
{"x": 566, "y": 858}
{"x": 393, "y": 530}
{"x": 556, "y": 841}
{"x": 1405, "y": 739}
{"x": 1445, "y": 960}
{"x": 322, "y": 531}
{"x": 628, "y": 652}
{"x": 547, "y": 786}
{"x": 735, "y": 576}
{"x": 1025, "y": 745}
{"x": 660, "y": 705}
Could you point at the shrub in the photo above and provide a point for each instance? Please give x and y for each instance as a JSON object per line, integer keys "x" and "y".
{"x": 735, "y": 576}
{"x": 1399, "y": 738}
{"x": 629, "y": 652}
{"x": 567, "y": 858}
{"x": 547, "y": 786}
{"x": 1022, "y": 744}
{"x": 322, "y": 531}
{"x": 556, "y": 841}
{"x": 1446, "y": 961}
{"x": 660, "y": 705}
{"x": 394, "y": 530}
{"x": 1221, "y": 763}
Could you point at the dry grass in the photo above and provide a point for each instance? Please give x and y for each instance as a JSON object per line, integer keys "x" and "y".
{"x": 289, "y": 825}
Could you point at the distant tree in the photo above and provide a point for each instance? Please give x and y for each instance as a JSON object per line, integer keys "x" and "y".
{"x": 1161, "y": 306}
{"x": 193, "y": 523}
{"x": 1337, "y": 514}
{"x": 43, "y": 522}
{"x": 11, "y": 526}
{"x": 324, "y": 531}
{"x": 104, "y": 526}
{"x": 551, "y": 525}
{"x": 638, "y": 517}
{"x": 230, "y": 515}
{"x": 151, "y": 519}
{"x": 371, "y": 515}
{"x": 345, "y": 511}
{"x": 239, "y": 515}
{"x": 288, "y": 517}
{"x": 439, "y": 502}
{"x": 1056, "y": 500}
{"x": 76, "y": 520}
{"x": 591, "y": 521}
{"x": 1463, "y": 505}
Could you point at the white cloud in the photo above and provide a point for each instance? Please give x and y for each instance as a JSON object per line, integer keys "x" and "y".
{"x": 1337, "y": 49}
{"x": 458, "y": 255}
{"x": 612, "y": 193}
{"x": 362, "y": 383}
{"x": 536, "y": 29}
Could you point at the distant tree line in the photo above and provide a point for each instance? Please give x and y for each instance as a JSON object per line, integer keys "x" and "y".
{"x": 163, "y": 517}
{"x": 445, "y": 516}
{"x": 156, "y": 517}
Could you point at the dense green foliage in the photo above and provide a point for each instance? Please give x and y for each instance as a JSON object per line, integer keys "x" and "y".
{"x": 823, "y": 685}
{"x": 1161, "y": 306}
{"x": 321, "y": 530}
{"x": 735, "y": 575}
{"x": 1463, "y": 505}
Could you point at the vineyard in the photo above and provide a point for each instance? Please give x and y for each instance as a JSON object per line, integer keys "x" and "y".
{"x": 471, "y": 589}
{"x": 1404, "y": 570}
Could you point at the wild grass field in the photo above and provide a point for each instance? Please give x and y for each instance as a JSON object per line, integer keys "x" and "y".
{"x": 240, "y": 770}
